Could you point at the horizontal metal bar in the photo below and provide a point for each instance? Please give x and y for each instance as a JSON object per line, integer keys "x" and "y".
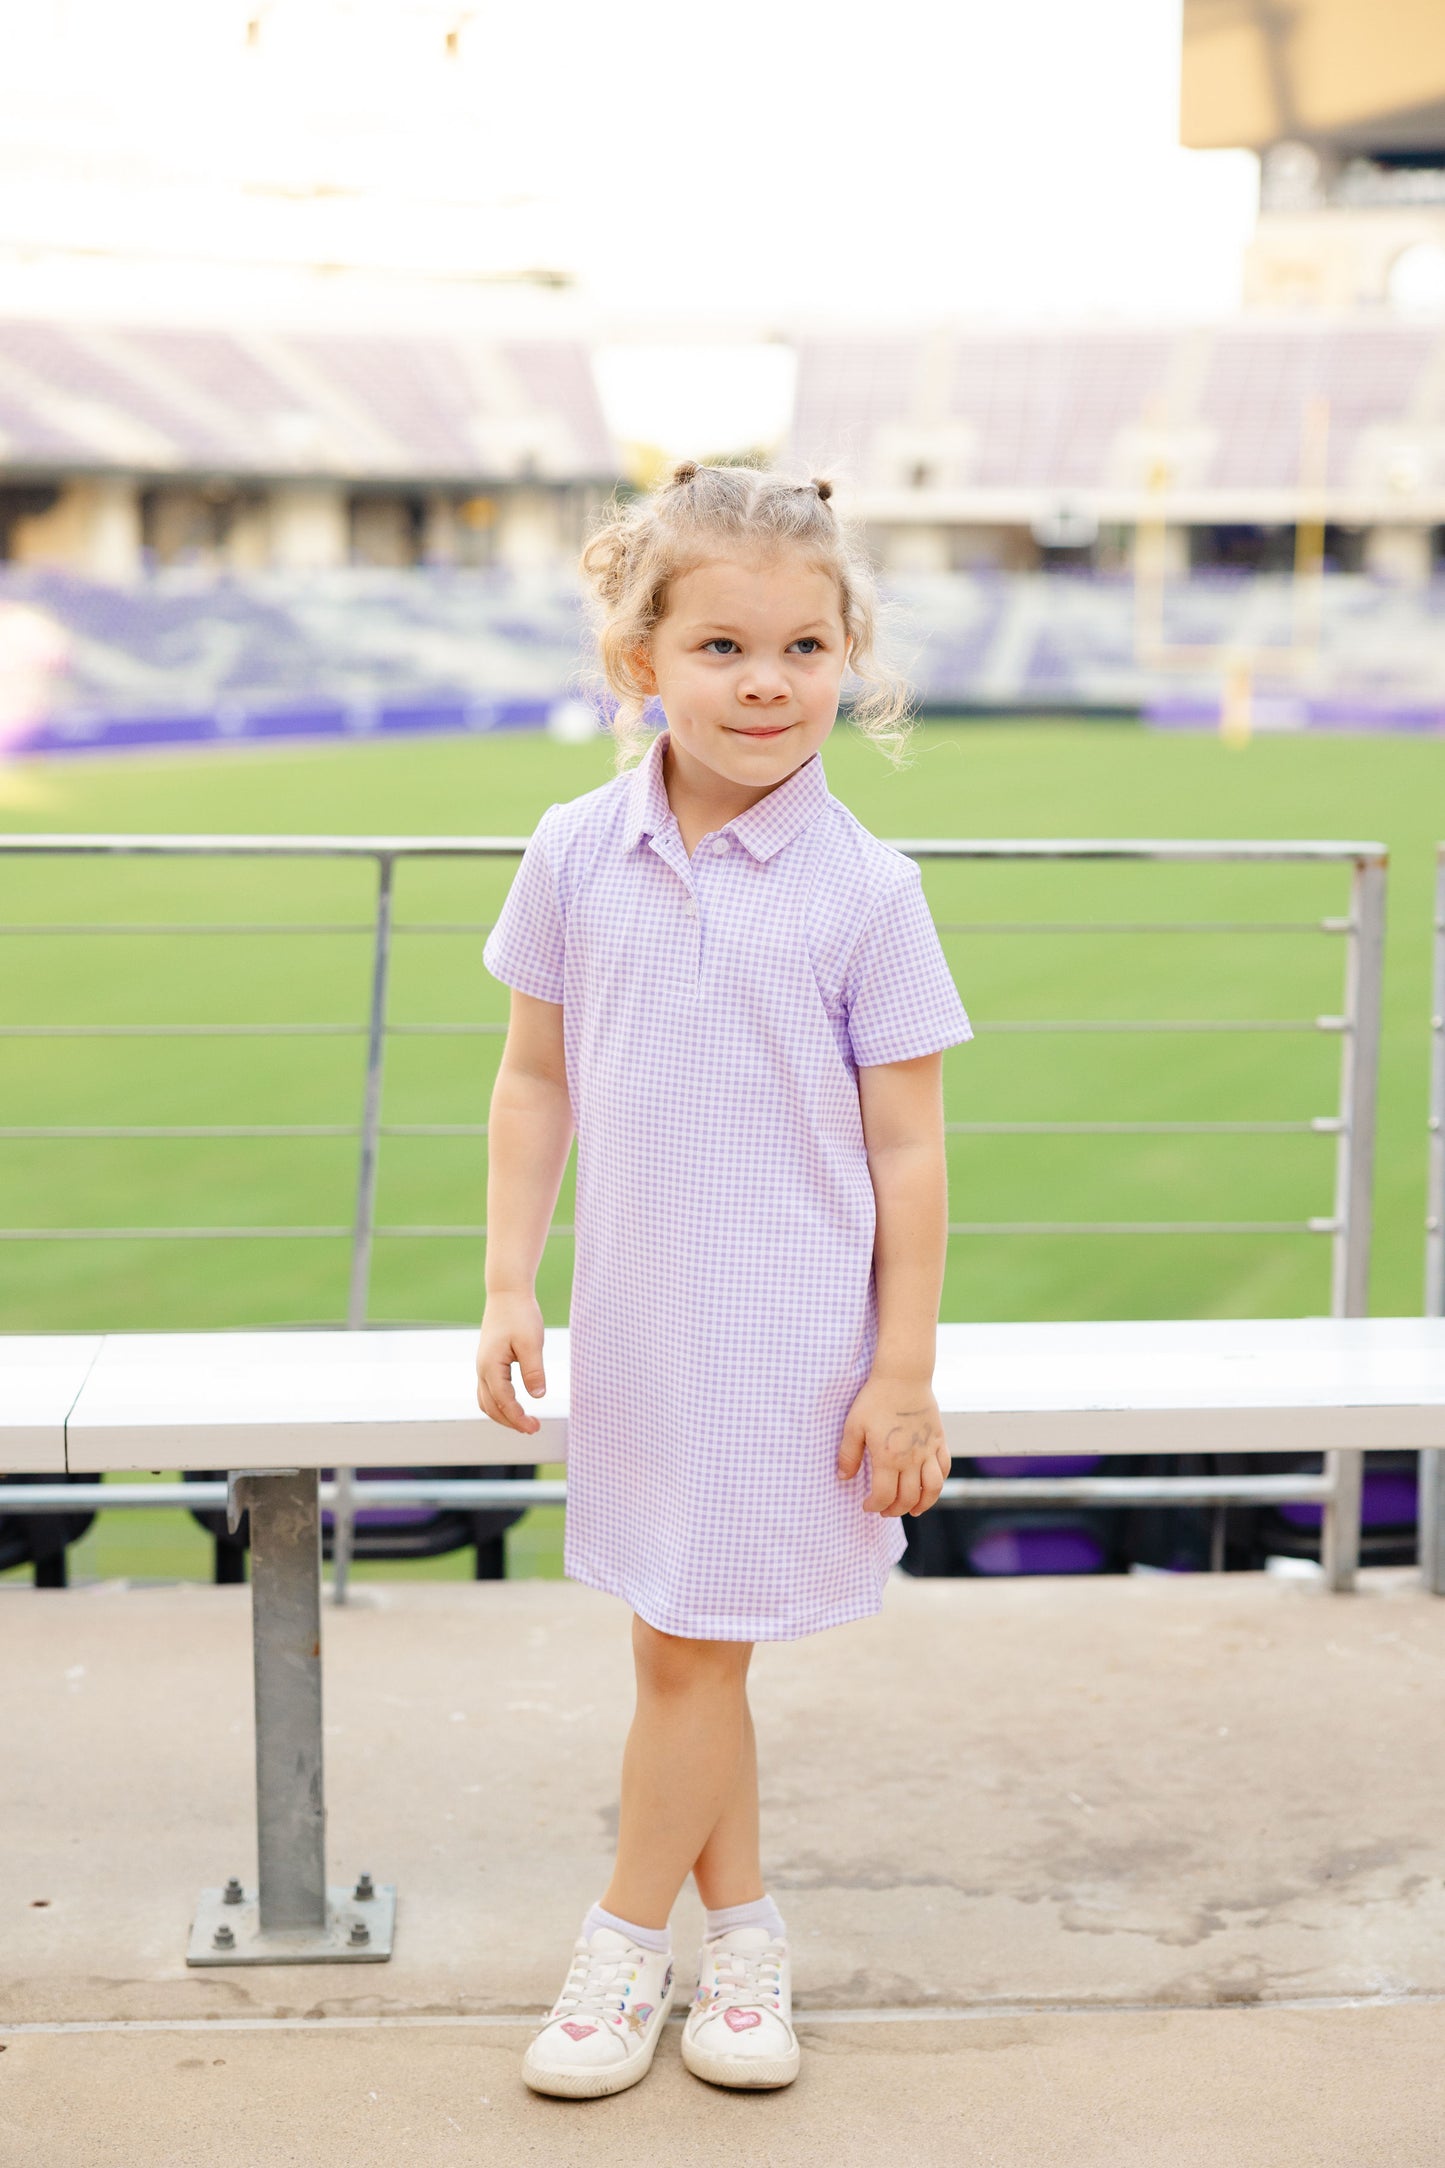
{"x": 1161, "y": 1490}
{"x": 238, "y": 846}
{"x": 172, "y": 1234}
{"x": 1128, "y": 849}
{"x": 185, "y": 1031}
{"x": 243, "y": 1031}
{"x": 1143, "y": 1227}
{"x": 472, "y": 1231}
{"x": 208, "y": 1497}
{"x": 190, "y": 1129}
{"x": 256, "y": 927}
{"x": 1143, "y": 925}
{"x": 992, "y": 1027}
{"x": 1319, "y": 1125}
{"x": 238, "y": 926}
{"x": 186, "y": 926}
{"x": 499, "y": 1491}
{"x": 1172, "y": 851}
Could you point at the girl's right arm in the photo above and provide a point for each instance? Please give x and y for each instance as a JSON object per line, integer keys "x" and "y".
{"x": 529, "y": 1138}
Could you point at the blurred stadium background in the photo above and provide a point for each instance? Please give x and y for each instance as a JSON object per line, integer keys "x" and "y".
{"x": 270, "y": 472}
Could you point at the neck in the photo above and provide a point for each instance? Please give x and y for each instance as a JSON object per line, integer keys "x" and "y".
{"x": 700, "y": 791}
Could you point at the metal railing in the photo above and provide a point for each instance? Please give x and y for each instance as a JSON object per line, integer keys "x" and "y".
{"x": 1351, "y": 1123}
{"x": 1431, "y": 1506}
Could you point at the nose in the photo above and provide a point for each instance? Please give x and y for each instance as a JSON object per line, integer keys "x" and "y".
{"x": 763, "y": 687}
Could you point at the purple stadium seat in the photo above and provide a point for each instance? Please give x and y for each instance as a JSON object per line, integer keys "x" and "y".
{"x": 1056, "y": 1549}
{"x": 1388, "y": 1502}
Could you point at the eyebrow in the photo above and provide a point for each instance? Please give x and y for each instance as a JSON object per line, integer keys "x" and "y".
{"x": 732, "y": 632}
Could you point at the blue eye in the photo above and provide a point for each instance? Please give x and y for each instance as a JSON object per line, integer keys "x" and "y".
{"x": 720, "y": 642}
{"x": 809, "y": 644}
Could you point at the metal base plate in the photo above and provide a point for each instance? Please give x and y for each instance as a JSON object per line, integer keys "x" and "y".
{"x": 332, "y": 1944}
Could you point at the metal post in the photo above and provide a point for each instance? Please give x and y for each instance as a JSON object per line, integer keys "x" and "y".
{"x": 1430, "y": 1503}
{"x": 1435, "y": 1180}
{"x": 343, "y": 1520}
{"x": 1354, "y": 1178}
{"x": 286, "y": 1635}
{"x": 292, "y": 1917}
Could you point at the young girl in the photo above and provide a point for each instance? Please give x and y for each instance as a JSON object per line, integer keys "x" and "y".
{"x": 735, "y": 994}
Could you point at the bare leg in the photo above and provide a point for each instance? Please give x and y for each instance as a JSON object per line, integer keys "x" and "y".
{"x": 728, "y": 1870}
{"x": 680, "y": 1766}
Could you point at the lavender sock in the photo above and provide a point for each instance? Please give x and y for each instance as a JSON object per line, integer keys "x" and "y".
{"x": 650, "y": 1938}
{"x": 762, "y": 1912}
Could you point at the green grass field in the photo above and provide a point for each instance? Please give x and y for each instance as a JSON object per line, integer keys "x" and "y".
{"x": 972, "y": 779}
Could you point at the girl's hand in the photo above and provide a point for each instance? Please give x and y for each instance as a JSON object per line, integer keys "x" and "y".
{"x": 511, "y": 1332}
{"x": 897, "y": 1419}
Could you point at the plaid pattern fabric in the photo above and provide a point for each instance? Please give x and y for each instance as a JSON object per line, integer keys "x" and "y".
{"x": 724, "y": 1314}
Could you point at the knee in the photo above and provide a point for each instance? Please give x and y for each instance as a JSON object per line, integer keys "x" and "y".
{"x": 667, "y": 1664}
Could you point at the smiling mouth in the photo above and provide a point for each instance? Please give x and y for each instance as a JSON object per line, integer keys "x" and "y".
{"x": 773, "y": 731}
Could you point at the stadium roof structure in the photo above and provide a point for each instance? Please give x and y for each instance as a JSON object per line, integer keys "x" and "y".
{"x": 1232, "y": 421}
{"x": 1332, "y": 73}
{"x": 395, "y": 406}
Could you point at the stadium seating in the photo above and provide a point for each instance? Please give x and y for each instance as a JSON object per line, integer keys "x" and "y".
{"x": 353, "y": 404}
{"x": 1057, "y": 408}
{"x": 191, "y": 656}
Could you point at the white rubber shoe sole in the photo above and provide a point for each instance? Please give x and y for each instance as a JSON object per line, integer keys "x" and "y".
{"x": 598, "y": 2082}
{"x": 752, "y": 2073}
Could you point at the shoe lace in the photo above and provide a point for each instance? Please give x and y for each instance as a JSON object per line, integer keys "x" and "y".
{"x": 745, "y": 1977}
{"x": 595, "y": 1986}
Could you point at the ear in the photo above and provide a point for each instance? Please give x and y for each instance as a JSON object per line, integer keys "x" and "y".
{"x": 639, "y": 661}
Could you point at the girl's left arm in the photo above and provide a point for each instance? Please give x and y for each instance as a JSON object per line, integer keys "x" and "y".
{"x": 895, "y": 1415}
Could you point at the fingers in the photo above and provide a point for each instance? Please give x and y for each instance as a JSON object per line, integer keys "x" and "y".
{"x": 850, "y": 1452}
{"x": 527, "y": 1349}
{"x": 885, "y": 1489}
{"x": 908, "y": 1493}
{"x": 931, "y": 1478}
{"x": 497, "y": 1398}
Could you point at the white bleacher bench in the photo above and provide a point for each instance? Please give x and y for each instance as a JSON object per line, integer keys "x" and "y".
{"x": 275, "y": 1407}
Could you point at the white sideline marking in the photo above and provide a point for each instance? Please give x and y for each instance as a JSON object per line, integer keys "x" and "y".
{"x": 952, "y": 2014}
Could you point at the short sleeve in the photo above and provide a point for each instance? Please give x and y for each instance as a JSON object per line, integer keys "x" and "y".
{"x": 527, "y": 945}
{"x": 898, "y": 992}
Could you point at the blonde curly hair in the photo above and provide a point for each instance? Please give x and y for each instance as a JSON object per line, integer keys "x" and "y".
{"x": 638, "y": 549}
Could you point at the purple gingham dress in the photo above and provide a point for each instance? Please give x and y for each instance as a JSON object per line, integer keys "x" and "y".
{"x": 724, "y": 1313}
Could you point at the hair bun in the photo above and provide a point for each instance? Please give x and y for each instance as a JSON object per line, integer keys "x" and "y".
{"x": 824, "y": 489}
{"x": 685, "y": 471}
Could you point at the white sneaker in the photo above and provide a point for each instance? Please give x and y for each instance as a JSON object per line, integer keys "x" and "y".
{"x": 739, "y": 2030}
{"x": 602, "y": 2032}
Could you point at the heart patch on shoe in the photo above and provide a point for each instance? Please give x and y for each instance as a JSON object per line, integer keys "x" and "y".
{"x": 741, "y": 2020}
{"x": 578, "y": 2032}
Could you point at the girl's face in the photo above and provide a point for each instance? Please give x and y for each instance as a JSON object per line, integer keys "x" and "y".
{"x": 747, "y": 660}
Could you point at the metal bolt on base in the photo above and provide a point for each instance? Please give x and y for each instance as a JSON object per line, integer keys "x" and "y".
{"x": 353, "y": 1930}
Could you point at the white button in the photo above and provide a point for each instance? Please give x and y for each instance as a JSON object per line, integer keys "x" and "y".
{"x": 689, "y": 909}
{"x": 720, "y": 845}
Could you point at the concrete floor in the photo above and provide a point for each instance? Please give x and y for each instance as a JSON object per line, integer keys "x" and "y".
{"x": 1128, "y": 1871}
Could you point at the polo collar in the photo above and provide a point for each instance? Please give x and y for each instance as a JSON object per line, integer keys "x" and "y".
{"x": 762, "y": 829}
